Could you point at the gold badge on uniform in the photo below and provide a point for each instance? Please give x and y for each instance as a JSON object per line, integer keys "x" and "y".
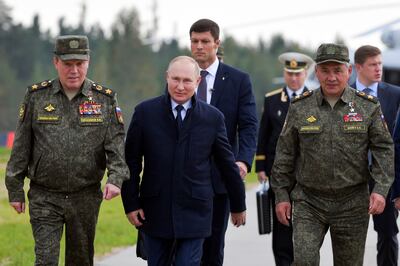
{"x": 311, "y": 119}
{"x": 108, "y": 91}
{"x": 49, "y": 108}
{"x": 21, "y": 112}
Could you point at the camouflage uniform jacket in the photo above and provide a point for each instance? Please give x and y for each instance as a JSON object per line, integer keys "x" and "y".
{"x": 326, "y": 150}
{"x": 63, "y": 145}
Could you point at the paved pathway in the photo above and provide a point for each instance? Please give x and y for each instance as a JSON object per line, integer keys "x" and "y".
{"x": 244, "y": 247}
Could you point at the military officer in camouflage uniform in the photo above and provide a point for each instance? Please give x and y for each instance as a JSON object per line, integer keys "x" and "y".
{"x": 323, "y": 152}
{"x": 70, "y": 130}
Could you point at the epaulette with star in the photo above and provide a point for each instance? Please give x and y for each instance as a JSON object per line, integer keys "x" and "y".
{"x": 38, "y": 86}
{"x": 103, "y": 90}
{"x": 367, "y": 96}
{"x": 274, "y": 92}
{"x": 302, "y": 96}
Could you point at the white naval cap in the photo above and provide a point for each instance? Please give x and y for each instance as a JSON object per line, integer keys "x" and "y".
{"x": 295, "y": 62}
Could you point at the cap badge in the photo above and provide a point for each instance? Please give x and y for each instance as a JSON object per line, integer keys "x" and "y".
{"x": 293, "y": 63}
{"x": 330, "y": 50}
{"x": 73, "y": 44}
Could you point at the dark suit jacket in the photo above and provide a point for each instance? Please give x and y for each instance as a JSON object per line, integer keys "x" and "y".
{"x": 276, "y": 106}
{"x": 175, "y": 190}
{"x": 233, "y": 96}
{"x": 389, "y": 98}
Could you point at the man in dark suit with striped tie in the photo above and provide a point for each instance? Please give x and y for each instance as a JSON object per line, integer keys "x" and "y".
{"x": 230, "y": 91}
{"x": 276, "y": 105}
{"x": 368, "y": 63}
{"x": 171, "y": 201}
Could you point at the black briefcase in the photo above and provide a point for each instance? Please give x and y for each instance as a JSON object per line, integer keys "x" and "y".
{"x": 264, "y": 210}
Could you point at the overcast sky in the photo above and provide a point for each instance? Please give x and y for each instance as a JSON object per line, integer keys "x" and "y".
{"x": 309, "y": 22}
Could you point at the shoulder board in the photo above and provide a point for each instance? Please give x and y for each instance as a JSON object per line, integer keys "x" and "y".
{"x": 274, "y": 92}
{"x": 38, "y": 86}
{"x": 366, "y": 96}
{"x": 103, "y": 90}
{"x": 302, "y": 96}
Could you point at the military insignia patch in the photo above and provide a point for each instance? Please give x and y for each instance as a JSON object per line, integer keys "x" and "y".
{"x": 21, "y": 112}
{"x": 311, "y": 119}
{"x": 118, "y": 113}
{"x": 40, "y": 85}
{"x": 49, "y": 108}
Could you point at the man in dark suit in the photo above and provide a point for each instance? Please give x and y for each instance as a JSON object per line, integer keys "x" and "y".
{"x": 276, "y": 105}
{"x": 229, "y": 90}
{"x": 177, "y": 136}
{"x": 368, "y": 63}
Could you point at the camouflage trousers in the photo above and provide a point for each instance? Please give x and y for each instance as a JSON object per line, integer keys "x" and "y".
{"x": 50, "y": 212}
{"x": 345, "y": 216}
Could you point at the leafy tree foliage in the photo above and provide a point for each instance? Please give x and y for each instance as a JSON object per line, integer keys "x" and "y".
{"x": 124, "y": 61}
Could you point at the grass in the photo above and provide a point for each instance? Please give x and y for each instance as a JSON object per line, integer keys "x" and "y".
{"x": 17, "y": 245}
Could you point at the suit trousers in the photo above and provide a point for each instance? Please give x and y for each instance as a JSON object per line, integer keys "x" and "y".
{"x": 186, "y": 251}
{"x": 213, "y": 248}
{"x": 385, "y": 224}
{"x": 347, "y": 219}
{"x": 49, "y": 212}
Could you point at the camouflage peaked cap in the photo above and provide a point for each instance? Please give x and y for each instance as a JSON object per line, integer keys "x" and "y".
{"x": 332, "y": 52}
{"x": 70, "y": 47}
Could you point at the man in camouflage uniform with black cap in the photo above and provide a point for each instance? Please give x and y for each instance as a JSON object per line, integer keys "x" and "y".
{"x": 70, "y": 130}
{"x": 326, "y": 138}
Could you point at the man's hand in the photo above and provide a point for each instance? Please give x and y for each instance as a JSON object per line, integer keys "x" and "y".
{"x": 242, "y": 168}
{"x": 238, "y": 218}
{"x": 262, "y": 177}
{"x": 135, "y": 216}
{"x": 110, "y": 191}
{"x": 283, "y": 212}
{"x": 19, "y": 207}
{"x": 377, "y": 203}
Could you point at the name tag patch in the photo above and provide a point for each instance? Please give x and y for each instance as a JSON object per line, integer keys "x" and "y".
{"x": 310, "y": 129}
{"x": 91, "y": 120}
{"x": 50, "y": 119}
{"x": 354, "y": 128}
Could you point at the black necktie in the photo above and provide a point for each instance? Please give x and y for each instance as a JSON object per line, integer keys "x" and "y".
{"x": 294, "y": 95}
{"x": 179, "y": 121}
{"x": 368, "y": 91}
{"x": 202, "y": 89}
